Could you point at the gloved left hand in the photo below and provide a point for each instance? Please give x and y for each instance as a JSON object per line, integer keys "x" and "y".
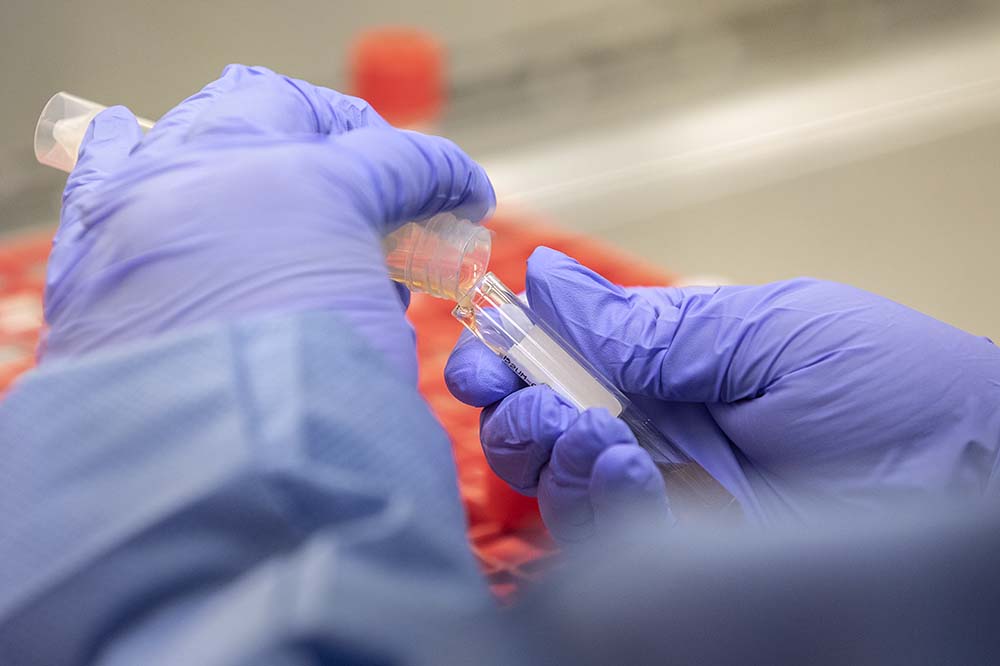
{"x": 260, "y": 194}
{"x": 801, "y": 397}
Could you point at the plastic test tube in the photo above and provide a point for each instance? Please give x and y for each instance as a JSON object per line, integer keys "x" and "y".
{"x": 447, "y": 257}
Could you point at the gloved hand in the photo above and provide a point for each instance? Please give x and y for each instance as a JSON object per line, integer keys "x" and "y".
{"x": 800, "y": 396}
{"x": 260, "y": 194}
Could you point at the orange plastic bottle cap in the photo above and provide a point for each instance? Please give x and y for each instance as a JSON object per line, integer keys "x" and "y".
{"x": 400, "y": 72}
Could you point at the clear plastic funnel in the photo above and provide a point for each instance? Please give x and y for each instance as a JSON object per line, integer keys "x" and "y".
{"x": 62, "y": 126}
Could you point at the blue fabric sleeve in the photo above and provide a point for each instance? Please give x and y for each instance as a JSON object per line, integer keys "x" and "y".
{"x": 260, "y": 492}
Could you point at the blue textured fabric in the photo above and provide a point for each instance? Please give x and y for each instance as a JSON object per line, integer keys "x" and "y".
{"x": 226, "y": 496}
{"x": 802, "y": 397}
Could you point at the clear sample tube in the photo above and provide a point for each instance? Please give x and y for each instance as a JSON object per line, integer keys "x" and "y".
{"x": 448, "y": 258}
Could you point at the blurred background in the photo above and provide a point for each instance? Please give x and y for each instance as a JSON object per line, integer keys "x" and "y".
{"x": 747, "y": 140}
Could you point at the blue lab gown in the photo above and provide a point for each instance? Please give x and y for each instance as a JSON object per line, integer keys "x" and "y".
{"x": 267, "y": 493}
{"x": 260, "y": 493}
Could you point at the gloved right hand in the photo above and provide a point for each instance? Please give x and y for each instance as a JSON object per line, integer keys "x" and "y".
{"x": 798, "y": 396}
{"x": 259, "y": 195}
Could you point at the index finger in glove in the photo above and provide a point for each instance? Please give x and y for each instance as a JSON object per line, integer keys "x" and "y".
{"x": 476, "y": 376}
{"x": 107, "y": 144}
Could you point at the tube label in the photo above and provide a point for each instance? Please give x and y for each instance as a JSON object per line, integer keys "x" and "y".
{"x": 538, "y": 359}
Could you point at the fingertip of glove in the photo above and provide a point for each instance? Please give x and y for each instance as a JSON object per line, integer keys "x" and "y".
{"x": 543, "y": 264}
{"x": 113, "y": 123}
{"x": 475, "y": 376}
{"x": 113, "y": 114}
{"x": 533, "y": 416}
{"x": 483, "y": 194}
{"x": 599, "y": 422}
{"x": 550, "y": 272}
{"x": 593, "y": 432}
{"x": 233, "y": 70}
{"x": 233, "y": 74}
{"x": 624, "y": 470}
{"x": 544, "y": 258}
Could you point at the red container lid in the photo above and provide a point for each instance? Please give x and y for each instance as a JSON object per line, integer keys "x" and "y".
{"x": 400, "y": 72}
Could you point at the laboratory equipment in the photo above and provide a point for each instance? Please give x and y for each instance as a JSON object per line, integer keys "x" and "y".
{"x": 447, "y": 258}
{"x": 61, "y": 127}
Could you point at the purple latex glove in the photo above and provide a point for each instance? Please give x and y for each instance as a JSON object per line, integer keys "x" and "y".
{"x": 800, "y": 396}
{"x": 260, "y": 194}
